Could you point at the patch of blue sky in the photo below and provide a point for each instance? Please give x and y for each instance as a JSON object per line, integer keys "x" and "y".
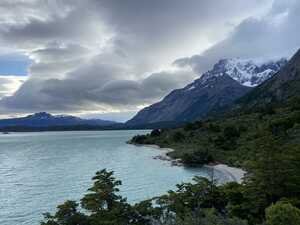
{"x": 14, "y": 64}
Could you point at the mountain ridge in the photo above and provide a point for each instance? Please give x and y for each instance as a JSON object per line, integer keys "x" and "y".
{"x": 44, "y": 119}
{"x": 228, "y": 80}
{"x": 283, "y": 85}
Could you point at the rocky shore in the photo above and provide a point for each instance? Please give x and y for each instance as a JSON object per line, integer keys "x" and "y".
{"x": 232, "y": 173}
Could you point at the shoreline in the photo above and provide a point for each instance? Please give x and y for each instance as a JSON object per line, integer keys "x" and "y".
{"x": 233, "y": 174}
{"x": 163, "y": 156}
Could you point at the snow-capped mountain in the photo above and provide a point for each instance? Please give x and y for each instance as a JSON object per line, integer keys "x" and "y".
{"x": 283, "y": 86}
{"x": 228, "y": 80}
{"x": 247, "y": 72}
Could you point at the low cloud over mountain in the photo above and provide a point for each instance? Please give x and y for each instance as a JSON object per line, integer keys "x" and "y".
{"x": 112, "y": 56}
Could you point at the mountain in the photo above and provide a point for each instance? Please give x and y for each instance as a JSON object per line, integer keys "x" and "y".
{"x": 43, "y": 119}
{"x": 282, "y": 86}
{"x": 228, "y": 80}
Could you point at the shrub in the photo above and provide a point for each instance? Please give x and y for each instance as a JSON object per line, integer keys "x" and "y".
{"x": 178, "y": 136}
{"x": 198, "y": 157}
{"x": 214, "y": 127}
{"x": 190, "y": 126}
{"x": 139, "y": 139}
{"x": 231, "y": 132}
{"x": 155, "y": 133}
{"x": 282, "y": 214}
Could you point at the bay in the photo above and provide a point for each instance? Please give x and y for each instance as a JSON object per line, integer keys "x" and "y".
{"x": 38, "y": 171}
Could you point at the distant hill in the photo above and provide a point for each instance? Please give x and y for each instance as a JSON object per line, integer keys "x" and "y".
{"x": 229, "y": 80}
{"x": 43, "y": 119}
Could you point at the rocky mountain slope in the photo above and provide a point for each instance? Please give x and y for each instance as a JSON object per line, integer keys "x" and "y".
{"x": 44, "y": 119}
{"x": 228, "y": 80}
{"x": 282, "y": 86}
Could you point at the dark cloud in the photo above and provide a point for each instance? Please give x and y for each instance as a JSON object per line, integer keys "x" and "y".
{"x": 111, "y": 55}
{"x": 97, "y": 91}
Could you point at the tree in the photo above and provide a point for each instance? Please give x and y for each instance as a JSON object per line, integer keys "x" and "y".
{"x": 155, "y": 133}
{"x": 102, "y": 195}
{"x": 203, "y": 217}
{"x": 178, "y": 136}
{"x": 192, "y": 197}
{"x": 282, "y": 214}
{"x": 199, "y": 157}
{"x": 67, "y": 214}
{"x": 273, "y": 174}
{"x": 190, "y": 126}
{"x": 103, "y": 206}
{"x": 139, "y": 139}
{"x": 231, "y": 132}
{"x": 103, "y": 202}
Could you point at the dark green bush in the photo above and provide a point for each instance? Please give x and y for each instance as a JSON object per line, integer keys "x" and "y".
{"x": 178, "y": 136}
{"x": 155, "y": 133}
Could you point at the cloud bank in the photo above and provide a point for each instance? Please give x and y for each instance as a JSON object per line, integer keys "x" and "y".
{"x": 117, "y": 56}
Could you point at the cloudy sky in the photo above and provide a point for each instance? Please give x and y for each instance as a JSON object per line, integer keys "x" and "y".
{"x": 109, "y": 58}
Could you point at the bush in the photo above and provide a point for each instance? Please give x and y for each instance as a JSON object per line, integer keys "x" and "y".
{"x": 280, "y": 126}
{"x": 231, "y": 132}
{"x": 155, "y": 133}
{"x": 214, "y": 127}
{"x": 295, "y": 103}
{"x": 267, "y": 110}
{"x": 139, "y": 139}
{"x": 282, "y": 214}
{"x": 178, "y": 136}
{"x": 190, "y": 126}
{"x": 198, "y": 157}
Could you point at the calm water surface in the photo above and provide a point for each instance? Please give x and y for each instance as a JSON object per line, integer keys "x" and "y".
{"x": 38, "y": 171}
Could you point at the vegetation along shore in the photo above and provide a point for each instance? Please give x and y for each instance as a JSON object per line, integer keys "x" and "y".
{"x": 260, "y": 133}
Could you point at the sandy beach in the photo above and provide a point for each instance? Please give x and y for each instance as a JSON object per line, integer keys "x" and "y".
{"x": 232, "y": 173}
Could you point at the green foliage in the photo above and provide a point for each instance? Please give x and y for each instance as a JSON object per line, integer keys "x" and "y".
{"x": 102, "y": 195}
{"x": 264, "y": 141}
{"x": 282, "y": 214}
{"x": 274, "y": 173}
{"x": 213, "y": 127}
{"x": 203, "y": 217}
{"x": 193, "y": 126}
{"x": 198, "y": 157}
{"x": 155, "y": 133}
{"x": 295, "y": 103}
{"x": 231, "y": 132}
{"x": 67, "y": 214}
{"x": 232, "y": 139}
{"x": 139, "y": 139}
{"x": 178, "y": 136}
{"x": 200, "y": 202}
{"x": 267, "y": 110}
{"x": 102, "y": 204}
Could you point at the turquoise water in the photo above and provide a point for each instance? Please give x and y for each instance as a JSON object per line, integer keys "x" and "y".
{"x": 38, "y": 171}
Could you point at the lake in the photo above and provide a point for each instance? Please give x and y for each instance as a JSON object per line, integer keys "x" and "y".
{"x": 38, "y": 171}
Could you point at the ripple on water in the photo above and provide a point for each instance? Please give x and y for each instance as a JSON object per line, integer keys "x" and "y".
{"x": 38, "y": 171}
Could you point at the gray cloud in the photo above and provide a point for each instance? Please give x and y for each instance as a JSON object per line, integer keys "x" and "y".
{"x": 115, "y": 55}
{"x": 106, "y": 90}
{"x": 273, "y": 36}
